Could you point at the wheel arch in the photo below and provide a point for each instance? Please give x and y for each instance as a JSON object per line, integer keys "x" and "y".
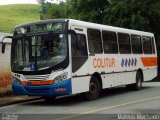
{"x": 140, "y": 71}
{"x": 98, "y": 76}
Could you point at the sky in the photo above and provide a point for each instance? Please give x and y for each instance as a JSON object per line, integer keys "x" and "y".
{"x": 4, "y": 2}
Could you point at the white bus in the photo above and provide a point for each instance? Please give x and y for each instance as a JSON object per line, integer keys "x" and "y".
{"x": 66, "y": 56}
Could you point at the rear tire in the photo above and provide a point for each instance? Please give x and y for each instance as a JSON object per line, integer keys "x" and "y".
{"x": 138, "y": 84}
{"x": 139, "y": 79}
{"x": 94, "y": 89}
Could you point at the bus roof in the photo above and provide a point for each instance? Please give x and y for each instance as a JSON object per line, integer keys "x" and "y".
{"x": 107, "y": 27}
{"x": 84, "y": 24}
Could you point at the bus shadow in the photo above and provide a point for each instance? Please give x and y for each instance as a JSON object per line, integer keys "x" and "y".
{"x": 120, "y": 90}
{"x": 79, "y": 99}
{"x": 59, "y": 101}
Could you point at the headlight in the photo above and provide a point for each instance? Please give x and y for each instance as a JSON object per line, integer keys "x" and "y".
{"x": 61, "y": 77}
{"x": 15, "y": 80}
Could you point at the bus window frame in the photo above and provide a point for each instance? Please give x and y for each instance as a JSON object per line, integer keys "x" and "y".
{"x": 125, "y": 44}
{"x": 116, "y": 41}
{"x": 142, "y": 52}
{"x": 150, "y": 44}
{"x": 93, "y": 52}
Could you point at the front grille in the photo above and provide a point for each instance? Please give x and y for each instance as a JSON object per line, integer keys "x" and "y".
{"x": 36, "y": 77}
{"x": 37, "y": 89}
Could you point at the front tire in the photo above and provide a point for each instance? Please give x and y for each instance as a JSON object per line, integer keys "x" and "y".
{"x": 94, "y": 89}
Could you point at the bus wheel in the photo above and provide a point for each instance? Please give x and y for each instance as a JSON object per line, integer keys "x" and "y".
{"x": 138, "y": 84}
{"x": 94, "y": 89}
{"x": 139, "y": 79}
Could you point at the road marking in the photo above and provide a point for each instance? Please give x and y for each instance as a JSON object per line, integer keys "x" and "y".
{"x": 106, "y": 108}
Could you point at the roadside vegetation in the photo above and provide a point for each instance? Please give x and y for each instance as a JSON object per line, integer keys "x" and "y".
{"x": 11, "y": 15}
{"x": 143, "y": 15}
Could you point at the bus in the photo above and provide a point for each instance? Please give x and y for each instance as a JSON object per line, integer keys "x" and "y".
{"x": 58, "y": 57}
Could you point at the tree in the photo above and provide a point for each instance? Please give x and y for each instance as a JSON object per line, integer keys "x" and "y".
{"x": 135, "y": 14}
{"x": 53, "y": 10}
{"x": 141, "y": 15}
{"x": 154, "y": 22}
{"x": 87, "y": 10}
{"x": 127, "y": 14}
{"x": 57, "y": 11}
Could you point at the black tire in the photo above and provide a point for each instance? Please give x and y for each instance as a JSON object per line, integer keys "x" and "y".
{"x": 94, "y": 89}
{"x": 138, "y": 84}
{"x": 139, "y": 80}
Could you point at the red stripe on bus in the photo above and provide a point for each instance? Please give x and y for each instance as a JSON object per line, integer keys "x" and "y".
{"x": 149, "y": 61}
{"x": 43, "y": 82}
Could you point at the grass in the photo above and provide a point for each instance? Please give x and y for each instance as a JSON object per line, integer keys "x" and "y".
{"x": 12, "y": 15}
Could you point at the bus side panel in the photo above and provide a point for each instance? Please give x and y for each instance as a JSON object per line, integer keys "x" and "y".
{"x": 80, "y": 84}
{"x": 118, "y": 79}
{"x": 109, "y": 80}
{"x": 126, "y": 78}
{"x": 149, "y": 74}
{"x": 149, "y": 63}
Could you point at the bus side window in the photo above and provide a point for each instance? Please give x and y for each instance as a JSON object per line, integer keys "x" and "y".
{"x": 94, "y": 41}
{"x": 136, "y": 44}
{"x": 124, "y": 43}
{"x": 147, "y": 45}
{"x": 79, "y": 46}
{"x": 153, "y": 48}
{"x": 79, "y": 51}
{"x": 109, "y": 42}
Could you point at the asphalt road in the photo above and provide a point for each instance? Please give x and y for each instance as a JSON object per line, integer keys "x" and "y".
{"x": 113, "y": 104}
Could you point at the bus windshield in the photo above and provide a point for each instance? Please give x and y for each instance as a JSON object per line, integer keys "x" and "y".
{"x": 38, "y": 52}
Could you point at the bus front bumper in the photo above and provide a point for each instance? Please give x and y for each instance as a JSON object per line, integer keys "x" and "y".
{"x": 63, "y": 88}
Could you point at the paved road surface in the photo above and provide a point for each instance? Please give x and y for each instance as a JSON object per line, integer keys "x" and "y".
{"x": 113, "y": 104}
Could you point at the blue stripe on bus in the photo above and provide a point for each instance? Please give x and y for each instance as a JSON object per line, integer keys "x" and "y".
{"x": 63, "y": 88}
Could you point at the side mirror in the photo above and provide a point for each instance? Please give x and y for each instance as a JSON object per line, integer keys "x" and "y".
{"x": 4, "y": 43}
{"x": 3, "y": 47}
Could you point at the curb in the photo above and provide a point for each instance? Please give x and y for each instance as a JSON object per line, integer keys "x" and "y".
{"x": 16, "y": 100}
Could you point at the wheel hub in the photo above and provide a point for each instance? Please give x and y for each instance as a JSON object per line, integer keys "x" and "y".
{"x": 93, "y": 88}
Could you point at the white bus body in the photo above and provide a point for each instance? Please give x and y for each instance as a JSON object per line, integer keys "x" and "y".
{"x": 96, "y": 57}
{"x": 109, "y": 66}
